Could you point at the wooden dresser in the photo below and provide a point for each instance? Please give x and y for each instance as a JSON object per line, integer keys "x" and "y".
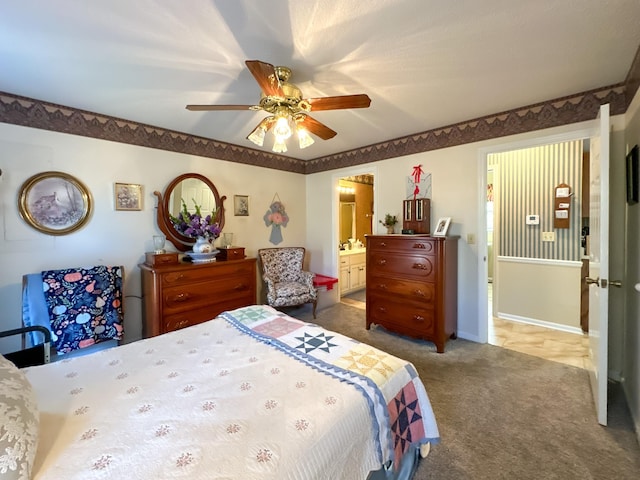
{"x": 412, "y": 285}
{"x": 183, "y": 294}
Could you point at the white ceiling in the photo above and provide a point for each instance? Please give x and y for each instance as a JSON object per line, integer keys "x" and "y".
{"x": 424, "y": 63}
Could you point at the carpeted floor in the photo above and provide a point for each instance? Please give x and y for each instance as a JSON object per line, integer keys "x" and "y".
{"x": 503, "y": 414}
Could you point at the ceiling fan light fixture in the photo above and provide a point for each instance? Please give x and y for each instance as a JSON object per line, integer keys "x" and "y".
{"x": 304, "y": 139}
{"x": 279, "y": 146}
{"x": 282, "y": 128}
{"x": 257, "y": 136}
{"x": 287, "y": 108}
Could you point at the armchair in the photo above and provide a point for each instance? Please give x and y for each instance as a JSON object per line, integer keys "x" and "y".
{"x": 287, "y": 284}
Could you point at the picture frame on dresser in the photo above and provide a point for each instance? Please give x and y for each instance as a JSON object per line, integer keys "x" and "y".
{"x": 442, "y": 227}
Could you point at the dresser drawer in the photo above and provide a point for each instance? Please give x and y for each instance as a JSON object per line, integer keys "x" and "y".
{"x": 402, "y": 243}
{"x": 196, "y": 316}
{"x": 405, "y": 318}
{"x": 421, "y": 267}
{"x": 197, "y": 295}
{"x": 186, "y": 319}
{"x": 198, "y": 274}
{"x": 411, "y": 290}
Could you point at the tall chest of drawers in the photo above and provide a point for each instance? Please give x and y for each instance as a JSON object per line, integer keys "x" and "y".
{"x": 412, "y": 286}
{"x": 183, "y": 294}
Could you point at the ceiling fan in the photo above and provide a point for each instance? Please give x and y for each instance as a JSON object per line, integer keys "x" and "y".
{"x": 287, "y": 108}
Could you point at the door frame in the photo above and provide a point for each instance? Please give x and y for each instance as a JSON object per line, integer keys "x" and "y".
{"x": 585, "y": 132}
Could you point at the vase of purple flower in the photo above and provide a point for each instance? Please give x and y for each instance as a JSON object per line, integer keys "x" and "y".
{"x": 203, "y": 229}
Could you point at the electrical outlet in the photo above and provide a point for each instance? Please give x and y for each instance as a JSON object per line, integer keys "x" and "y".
{"x": 471, "y": 238}
{"x": 548, "y": 236}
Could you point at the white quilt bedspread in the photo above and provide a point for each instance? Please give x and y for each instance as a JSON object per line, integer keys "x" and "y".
{"x": 206, "y": 402}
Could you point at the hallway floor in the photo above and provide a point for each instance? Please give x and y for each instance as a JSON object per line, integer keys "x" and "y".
{"x": 554, "y": 345}
{"x": 547, "y": 343}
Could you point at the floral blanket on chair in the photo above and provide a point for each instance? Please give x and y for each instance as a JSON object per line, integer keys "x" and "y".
{"x": 84, "y": 304}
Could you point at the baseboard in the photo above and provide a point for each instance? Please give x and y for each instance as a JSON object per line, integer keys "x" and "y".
{"x": 540, "y": 323}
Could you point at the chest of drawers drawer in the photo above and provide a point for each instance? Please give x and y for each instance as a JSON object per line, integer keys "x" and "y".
{"x": 405, "y": 264}
{"x": 401, "y": 243}
{"x": 190, "y": 317}
{"x": 177, "y": 296}
{"x": 187, "y": 276}
{"x": 199, "y": 294}
{"x": 411, "y": 290}
{"x": 416, "y": 320}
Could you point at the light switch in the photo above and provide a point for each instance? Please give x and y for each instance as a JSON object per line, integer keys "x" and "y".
{"x": 471, "y": 238}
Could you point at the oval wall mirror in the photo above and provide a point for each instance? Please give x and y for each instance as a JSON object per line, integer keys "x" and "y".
{"x": 192, "y": 188}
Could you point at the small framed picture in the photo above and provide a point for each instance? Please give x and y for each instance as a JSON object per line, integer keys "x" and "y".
{"x": 128, "y": 196}
{"x": 241, "y": 205}
{"x": 442, "y": 226}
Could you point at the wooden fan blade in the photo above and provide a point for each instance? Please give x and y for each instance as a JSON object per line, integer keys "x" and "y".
{"x": 317, "y": 128}
{"x": 198, "y": 108}
{"x": 339, "y": 102}
{"x": 265, "y": 75}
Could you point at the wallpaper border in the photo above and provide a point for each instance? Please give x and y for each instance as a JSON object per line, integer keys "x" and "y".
{"x": 575, "y": 108}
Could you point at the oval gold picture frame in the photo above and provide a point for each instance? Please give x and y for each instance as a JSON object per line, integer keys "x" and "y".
{"x": 54, "y": 203}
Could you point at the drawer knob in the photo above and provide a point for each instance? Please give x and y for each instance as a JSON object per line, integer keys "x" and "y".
{"x": 419, "y": 293}
{"x": 181, "y": 297}
{"x": 419, "y": 266}
{"x": 419, "y": 245}
{"x": 382, "y": 309}
{"x": 383, "y": 244}
{"x": 382, "y": 262}
{"x": 182, "y": 323}
{"x": 418, "y": 318}
{"x": 239, "y": 287}
{"x": 382, "y": 286}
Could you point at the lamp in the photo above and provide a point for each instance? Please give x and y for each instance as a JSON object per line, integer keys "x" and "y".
{"x": 283, "y": 123}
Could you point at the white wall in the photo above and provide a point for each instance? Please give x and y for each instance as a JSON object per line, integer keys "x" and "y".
{"x": 631, "y": 347}
{"x": 121, "y": 237}
{"x": 539, "y": 291}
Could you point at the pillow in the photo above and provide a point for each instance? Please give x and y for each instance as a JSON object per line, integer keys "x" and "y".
{"x": 19, "y": 419}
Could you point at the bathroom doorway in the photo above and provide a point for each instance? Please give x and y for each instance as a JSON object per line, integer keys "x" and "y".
{"x": 355, "y": 223}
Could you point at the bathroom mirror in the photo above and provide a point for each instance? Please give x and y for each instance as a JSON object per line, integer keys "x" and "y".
{"x": 355, "y": 208}
{"x": 190, "y": 187}
{"x": 347, "y": 221}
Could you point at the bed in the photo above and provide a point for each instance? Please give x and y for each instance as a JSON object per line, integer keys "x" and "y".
{"x": 251, "y": 394}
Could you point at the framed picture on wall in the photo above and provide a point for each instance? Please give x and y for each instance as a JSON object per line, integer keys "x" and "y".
{"x": 442, "y": 226}
{"x": 54, "y": 203}
{"x": 241, "y": 205}
{"x": 128, "y": 196}
{"x": 632, "y": 176}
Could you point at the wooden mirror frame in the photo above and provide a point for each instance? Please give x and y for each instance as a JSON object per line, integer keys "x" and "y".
{"x": 182, "y": 242}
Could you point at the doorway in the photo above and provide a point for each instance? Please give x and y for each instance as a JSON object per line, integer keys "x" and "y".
{"x": 355, "y": 223}
{"x": 519, "y": 214}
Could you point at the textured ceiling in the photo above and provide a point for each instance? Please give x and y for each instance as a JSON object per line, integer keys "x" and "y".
{"x": 424, "y": 63}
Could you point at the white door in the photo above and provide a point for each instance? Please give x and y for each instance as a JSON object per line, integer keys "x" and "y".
{"x": 599, "y": 263}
